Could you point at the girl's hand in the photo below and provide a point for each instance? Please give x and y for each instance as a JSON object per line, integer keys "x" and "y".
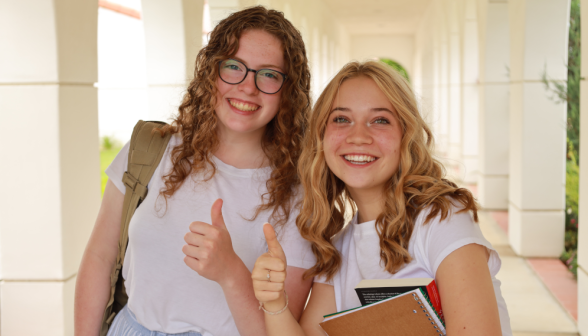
{"x": 209, "y": 249}
{"x": 270, "y": 290}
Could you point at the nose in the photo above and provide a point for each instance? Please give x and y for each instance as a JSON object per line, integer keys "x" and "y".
{"x": 359, "y": 135}
{"x": 248, "y": 84}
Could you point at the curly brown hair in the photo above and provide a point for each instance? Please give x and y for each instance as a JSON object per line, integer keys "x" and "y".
{"x": 418, "y": 184}
{"x": 196, "y": 120}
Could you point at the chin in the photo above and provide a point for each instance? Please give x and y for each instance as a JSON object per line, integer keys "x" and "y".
{"x": 358, "y": 185}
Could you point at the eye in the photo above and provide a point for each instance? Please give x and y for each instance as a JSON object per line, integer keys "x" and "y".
{"x": 270, "y": 75}
{"x": 340, "y": 120}
{"x": 232, "y": 67}
{"x": 383, "y": 121}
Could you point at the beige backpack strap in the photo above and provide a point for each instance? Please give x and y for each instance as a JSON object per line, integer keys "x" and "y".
{"x": 145, "y": 152}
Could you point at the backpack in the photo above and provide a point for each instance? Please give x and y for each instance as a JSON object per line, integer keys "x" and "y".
{"x": 145, "y": 152}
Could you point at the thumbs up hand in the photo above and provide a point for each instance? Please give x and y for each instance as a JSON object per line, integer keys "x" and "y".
{"x": 209, "y": 249}
{"x": 269, "y": 273}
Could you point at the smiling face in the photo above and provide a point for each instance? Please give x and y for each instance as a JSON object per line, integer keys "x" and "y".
{"x": 242, "y": 108}
{"x": 362, "y": 137}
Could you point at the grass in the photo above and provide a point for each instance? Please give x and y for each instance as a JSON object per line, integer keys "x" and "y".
{"x": 106, "y": 157}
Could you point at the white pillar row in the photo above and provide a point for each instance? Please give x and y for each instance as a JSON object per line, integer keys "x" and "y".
{"x": 173, "y": 37}
{"x": 539, "y": 39}
{"x": 48, "y": 102}
{"x": 443, "y": 86}
{"x": 469, "y": 93}
{"x": 583, "y": 202}
{"x": 494, "y": 116}
{"x": 454, "y": 88}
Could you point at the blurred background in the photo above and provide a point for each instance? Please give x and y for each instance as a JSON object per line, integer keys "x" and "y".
{"x": 499, "y": 81}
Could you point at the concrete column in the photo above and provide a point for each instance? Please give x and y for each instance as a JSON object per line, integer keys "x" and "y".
{"x": 539, "y": 39}
{"x": 454, "y": 88}
{"x": 314, "y": 56}
{"x": 443, "y": 88}
{"x": 469, "y": 93}
{"x": 494, "y": 105}
{"x": 48, "y": 102}
{"x": 173, "y": 37}
{"x": 583, "y": 202}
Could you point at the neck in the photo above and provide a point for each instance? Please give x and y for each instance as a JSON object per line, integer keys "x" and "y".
{"x": 241, "y": 150}
{"x": 370, "y": 204}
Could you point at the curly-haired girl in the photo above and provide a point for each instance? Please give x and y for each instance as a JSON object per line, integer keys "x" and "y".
{"x": 237, "y": 137}
{"x": 368, "y": 152}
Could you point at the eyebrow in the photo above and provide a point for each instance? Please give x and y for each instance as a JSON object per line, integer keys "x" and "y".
{"x": 375, "y": 109}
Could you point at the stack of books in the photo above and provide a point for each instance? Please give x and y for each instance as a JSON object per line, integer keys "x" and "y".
{"x": 391, "y": 307}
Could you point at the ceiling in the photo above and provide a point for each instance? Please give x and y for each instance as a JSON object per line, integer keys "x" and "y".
{"x": 379, "y": 16}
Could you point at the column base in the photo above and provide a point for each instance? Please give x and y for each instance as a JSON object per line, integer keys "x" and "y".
{"x": 37, "y": 308}
{"x": 536, "y": 233}
{"x": 493, "y": 191}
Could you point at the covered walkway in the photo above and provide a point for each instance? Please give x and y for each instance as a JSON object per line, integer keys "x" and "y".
{"x": 534, "y": 309}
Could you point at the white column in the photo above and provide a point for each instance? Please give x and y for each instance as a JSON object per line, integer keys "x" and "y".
{"x": 454, "y": 88}
{"x": 173, "y": 37}
{"x": 539, "y": 39}
{"x": 469, "y": 94}
{"x": 51, "y": 169}
{"x": 443, "y": 91}
{"x": 583, "y": 202}
{"x": 494, "y": 106}
{"x": 314, "y": 56}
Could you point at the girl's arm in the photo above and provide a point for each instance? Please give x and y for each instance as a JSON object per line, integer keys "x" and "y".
{"x": 209, "y": 252}
{"x": 93, "y": 280}
{"x": 467, "y": 293}
{"x": 245, "y": 307}
{"x": 321, "y": 303}
{"x": 271, "y": 293}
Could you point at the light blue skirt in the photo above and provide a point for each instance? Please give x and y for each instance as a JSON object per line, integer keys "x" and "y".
{"x": 125, "y": 324}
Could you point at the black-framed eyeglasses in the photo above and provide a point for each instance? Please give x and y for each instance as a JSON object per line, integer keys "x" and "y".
{"x": 266, "y": 80}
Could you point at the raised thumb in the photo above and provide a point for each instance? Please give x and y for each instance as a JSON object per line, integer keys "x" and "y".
{"x": 273, "y": 245}
{"x": 216, "y": 214}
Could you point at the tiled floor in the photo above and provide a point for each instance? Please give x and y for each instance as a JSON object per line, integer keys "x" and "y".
{"x": 533, "y": 309}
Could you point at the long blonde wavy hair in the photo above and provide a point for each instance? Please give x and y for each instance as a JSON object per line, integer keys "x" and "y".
{"x": 197, "y": 121}
{"x": 418, "y": 184}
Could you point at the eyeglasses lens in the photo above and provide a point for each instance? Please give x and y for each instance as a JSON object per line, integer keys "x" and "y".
{"x": 267, "y": 80}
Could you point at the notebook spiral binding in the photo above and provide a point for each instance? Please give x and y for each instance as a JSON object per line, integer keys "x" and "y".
{"x": 416, "y": 298}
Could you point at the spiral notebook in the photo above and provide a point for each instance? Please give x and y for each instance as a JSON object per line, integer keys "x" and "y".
{"x": 404, "y": 315}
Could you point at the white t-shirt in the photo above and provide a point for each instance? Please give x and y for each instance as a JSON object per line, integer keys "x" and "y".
{"x": 359, "y": 245}
{"x": 164, "y": 293}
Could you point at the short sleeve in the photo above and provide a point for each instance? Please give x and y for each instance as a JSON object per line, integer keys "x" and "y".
{"x": 297, "y": 249}
{"x": 323, "y": 279}
{"x": 438, "y": 239}
{"x": 118, "y": 167}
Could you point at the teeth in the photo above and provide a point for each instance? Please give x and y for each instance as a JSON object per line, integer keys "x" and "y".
{"x": 359, "y": 159}
{"x": 243, "y": 106}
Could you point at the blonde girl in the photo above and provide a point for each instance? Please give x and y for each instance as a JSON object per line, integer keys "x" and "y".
{"x": 368, "y": 151}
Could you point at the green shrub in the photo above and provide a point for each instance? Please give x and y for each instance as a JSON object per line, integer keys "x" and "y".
{"x": 569, "y": 256}
{"x": 396, "y": 66}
